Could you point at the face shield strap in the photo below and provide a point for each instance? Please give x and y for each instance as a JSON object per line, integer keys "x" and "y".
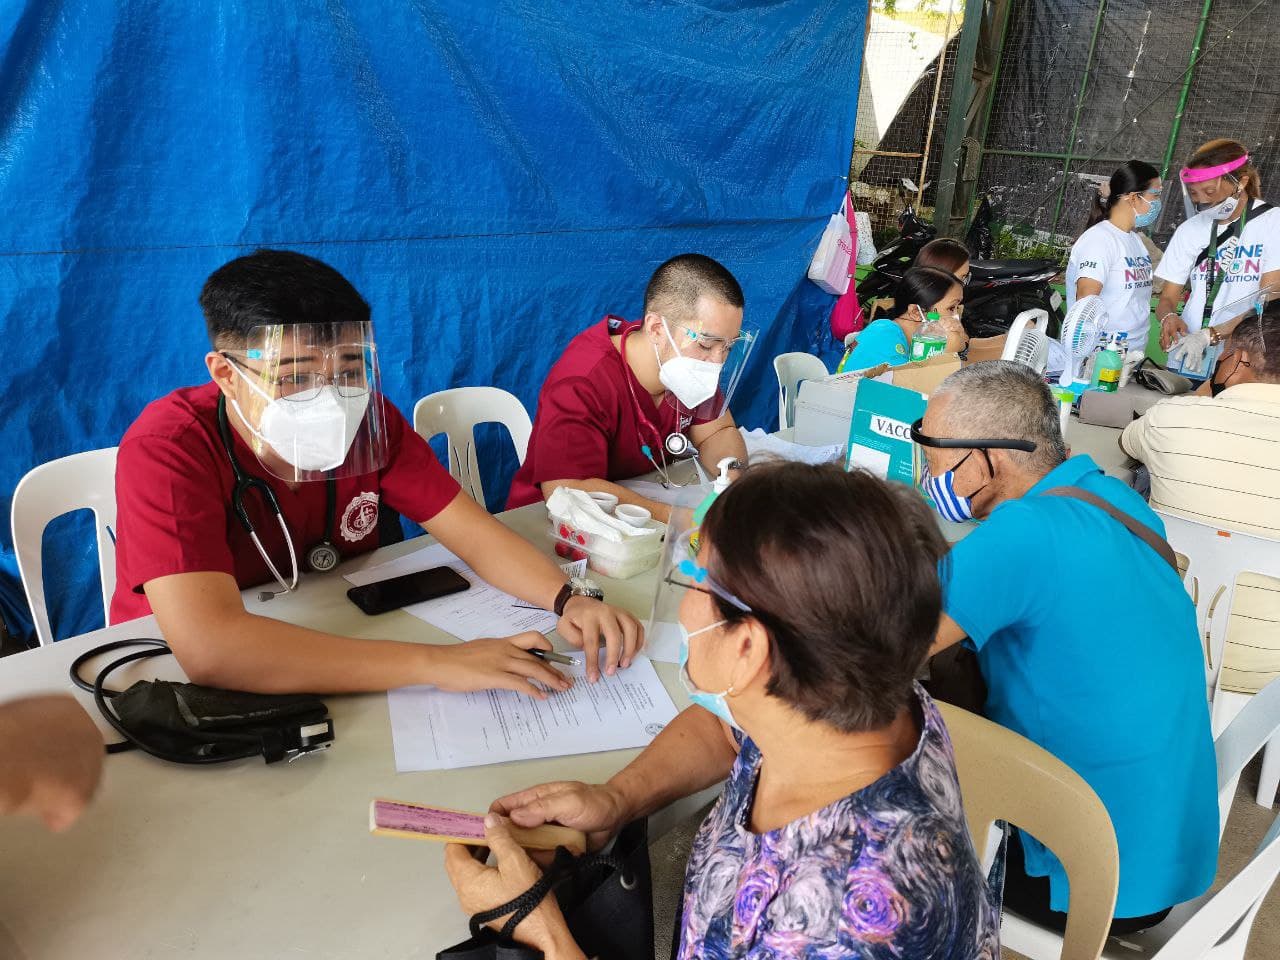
{"x": 975, "y": 443}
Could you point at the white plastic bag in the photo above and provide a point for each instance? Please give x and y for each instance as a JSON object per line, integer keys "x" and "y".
{"x": 829, "y": 268}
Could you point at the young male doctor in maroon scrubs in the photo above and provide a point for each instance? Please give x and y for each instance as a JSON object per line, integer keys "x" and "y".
{"x": 628, "y": 398}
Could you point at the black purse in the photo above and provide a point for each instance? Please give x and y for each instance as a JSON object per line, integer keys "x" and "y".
{"x": 192, "y": 724}
{"x": 607, "y": 901}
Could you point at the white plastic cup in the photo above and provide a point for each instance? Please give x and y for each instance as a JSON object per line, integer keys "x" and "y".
{"x": 632, "y": 514}
{"x": 605, "y": 501}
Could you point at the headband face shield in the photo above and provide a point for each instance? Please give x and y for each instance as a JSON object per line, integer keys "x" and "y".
{"x": 701, "y": 366}
{"x": 312, "y": 399}
{"x": 940, "y": 488}
{"x": 1203, "y": 188}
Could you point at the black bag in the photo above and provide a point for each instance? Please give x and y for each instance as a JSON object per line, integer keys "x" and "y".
{"x": 189, "y": 723}
{"x": 607, "y": 901}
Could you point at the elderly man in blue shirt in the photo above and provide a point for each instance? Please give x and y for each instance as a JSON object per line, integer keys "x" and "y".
{"x": 1084, "y": 633}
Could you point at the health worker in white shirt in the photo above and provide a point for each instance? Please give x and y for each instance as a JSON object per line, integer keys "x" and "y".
{"x": 1227, "y": 251}
{"x": 1110, "y": 260}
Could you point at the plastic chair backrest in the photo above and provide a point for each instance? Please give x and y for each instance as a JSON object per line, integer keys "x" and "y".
{"x": 791, "y": 368}
{"x": 1221, "y": 923}
{"x": 1215, "y": 558}
{"x": 1004, "y": 776}
{"x": 456, "y": 412}
{"x": 82, "y": 481}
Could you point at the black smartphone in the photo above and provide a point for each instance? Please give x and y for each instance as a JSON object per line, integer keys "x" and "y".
{"x": 375, "y": 598}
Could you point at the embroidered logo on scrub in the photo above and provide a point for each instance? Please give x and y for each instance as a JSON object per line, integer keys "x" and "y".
{"x": 360, "y": 518}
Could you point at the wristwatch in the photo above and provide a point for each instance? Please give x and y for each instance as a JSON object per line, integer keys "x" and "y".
{"x": 576, "y": 587}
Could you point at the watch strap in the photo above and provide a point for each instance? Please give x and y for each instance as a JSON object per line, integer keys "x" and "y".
{"x": 562, "y": 598}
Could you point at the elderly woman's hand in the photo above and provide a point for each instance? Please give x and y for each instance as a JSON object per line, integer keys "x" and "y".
{"x": 481, "y": 887}
{"x": 597, "y": 809}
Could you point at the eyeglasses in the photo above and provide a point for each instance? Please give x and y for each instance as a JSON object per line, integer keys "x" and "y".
{"x": 350, "y": 380}
{"x": 714, "y": 347}
{"x": 950, "y": 443}
{"x": 691, "y": 575}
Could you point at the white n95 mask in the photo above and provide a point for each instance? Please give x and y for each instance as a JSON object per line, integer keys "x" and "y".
{"x": 693, "y": 382}
{"x": 313, "y": 434}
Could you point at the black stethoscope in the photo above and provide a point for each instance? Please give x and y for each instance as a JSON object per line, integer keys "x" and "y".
{"x": 676, "y": 444}
{"x": 320, "y": 558}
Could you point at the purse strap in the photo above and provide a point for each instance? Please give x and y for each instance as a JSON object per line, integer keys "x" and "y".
{"x": 520, "y": 907}
{"x": 1139, "y": 529}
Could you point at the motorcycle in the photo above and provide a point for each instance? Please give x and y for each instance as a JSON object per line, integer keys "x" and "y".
{"x": 998, "y": 290}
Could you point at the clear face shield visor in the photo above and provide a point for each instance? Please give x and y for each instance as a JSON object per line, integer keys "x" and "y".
{"x": 1214, "y": 177}
{"x": 310, "y": 394}
{"x": 701, "y": 367}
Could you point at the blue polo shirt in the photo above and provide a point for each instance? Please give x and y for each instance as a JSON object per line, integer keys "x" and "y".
{"x": 882, "y": 342}
{"x": 1107, "y": 678}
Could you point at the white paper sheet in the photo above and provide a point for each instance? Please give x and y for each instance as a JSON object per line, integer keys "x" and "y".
{"x": 761, "y": 445}
{"x": 482, "y": 611}
{"x": 435, "y": 730}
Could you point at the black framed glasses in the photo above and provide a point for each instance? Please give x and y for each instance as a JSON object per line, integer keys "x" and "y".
{"x": 967, "y": 443}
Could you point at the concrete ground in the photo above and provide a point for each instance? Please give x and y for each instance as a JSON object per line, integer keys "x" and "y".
{"x": 1245, "y": 828}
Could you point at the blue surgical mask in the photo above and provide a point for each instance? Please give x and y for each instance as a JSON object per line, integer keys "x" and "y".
{"x": 949, "y": 504}
{"x": 713, "y": 702}
{"x": 1150, "y": 217}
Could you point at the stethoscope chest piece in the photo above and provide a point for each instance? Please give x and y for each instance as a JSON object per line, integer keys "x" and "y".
{"x": 677, "y": 444}
{"x": 323, "y": 557}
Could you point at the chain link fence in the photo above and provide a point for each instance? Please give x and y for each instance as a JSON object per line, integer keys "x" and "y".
{"x": 1083, "y": 85}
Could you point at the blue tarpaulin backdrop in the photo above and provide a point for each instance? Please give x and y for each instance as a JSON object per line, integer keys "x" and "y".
{"x": 492, "y": 176}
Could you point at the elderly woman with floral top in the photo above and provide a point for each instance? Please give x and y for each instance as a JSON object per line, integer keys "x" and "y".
{"x": 809, "y": 607}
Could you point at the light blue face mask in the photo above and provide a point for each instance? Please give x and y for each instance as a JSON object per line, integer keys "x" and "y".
{"x": 1151, "y": 216}
{"x": 713, "y": 702}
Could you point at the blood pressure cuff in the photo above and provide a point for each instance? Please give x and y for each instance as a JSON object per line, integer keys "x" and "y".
{"x": 208, "y": 722}
{"x": 192, "y": 724}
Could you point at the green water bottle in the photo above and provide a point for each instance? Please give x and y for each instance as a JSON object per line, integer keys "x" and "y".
{"x": 1107, "y": 367}
{"x": 930, "y": 339}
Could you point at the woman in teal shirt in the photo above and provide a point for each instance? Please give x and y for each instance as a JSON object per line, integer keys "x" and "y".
{"x": 923, "y": 290}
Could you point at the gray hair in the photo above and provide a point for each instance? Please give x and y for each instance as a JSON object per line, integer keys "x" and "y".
{"x": 1001, "y": 399}
{"x": 1255, "y": 334}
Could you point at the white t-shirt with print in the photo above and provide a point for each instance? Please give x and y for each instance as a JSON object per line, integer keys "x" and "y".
{"x": 1120, "y": 261}
{"x": 1243, "y": 260}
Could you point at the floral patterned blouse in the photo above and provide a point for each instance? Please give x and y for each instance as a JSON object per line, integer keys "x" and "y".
{"x": 886, "y": 872}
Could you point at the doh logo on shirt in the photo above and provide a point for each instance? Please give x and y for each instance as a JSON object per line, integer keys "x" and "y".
{"x": 900, "y": 348}
{"x": 360, "y": 518}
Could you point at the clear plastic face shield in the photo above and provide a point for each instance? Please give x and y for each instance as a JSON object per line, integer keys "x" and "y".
{"x": 701, "y": 361}
{"x": 310, "y": 394}
{"x": 680, "y": 572}
{"x": 1216, "y": 189}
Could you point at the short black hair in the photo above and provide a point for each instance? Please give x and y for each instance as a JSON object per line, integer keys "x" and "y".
{"x": 841, "y": 569}
{"x": 677, "y": 284}
{"x": 276, "y": 286}
{"x": 923, "y": 286}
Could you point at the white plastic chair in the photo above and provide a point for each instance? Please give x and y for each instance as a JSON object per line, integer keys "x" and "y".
{"x": 791, "y": 368}
{"x": 1216, "y": 558}
{"x": 456, "y": 412}
{"x": 82, "y": 481}
{"x": 1215, "y": 926}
